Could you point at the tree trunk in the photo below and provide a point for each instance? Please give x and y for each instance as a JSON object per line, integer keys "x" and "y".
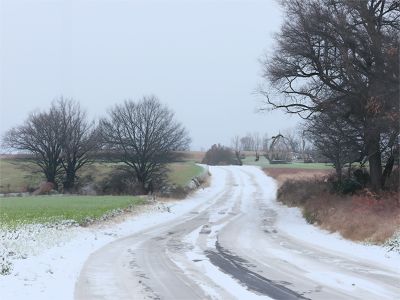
{"x": 390, "y": 162}
{"x": 388, "y": 170}
{"x": 374, "y": 159}
{"x": 51, "y": 177}
{"x": 141, "y": 184}
{"x": 141, "y": 190}
{"x": 349, "y": 170}
{"x": 69, "y": 182}
{"x": 339, "y": 174}
{"x": 53, "y": 181}
{"x": 237, "y": 153}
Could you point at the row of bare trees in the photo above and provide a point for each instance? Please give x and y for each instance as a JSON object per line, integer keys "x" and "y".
{"x": 250, "y": 142}
{"x": 297, "y": 143}
{"x": 143, "y": 135}
{"x": 336, "y": 64}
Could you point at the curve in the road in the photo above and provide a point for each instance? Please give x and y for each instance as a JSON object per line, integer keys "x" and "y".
{"x": 226, "y": 248}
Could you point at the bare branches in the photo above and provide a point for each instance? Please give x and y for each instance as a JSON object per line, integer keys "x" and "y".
{"x": 60, "y": 140}
{"x": 326, "y": 43}
{"x": 41, "y": 135}
{"x": 80, "y": 138}
{"x": 340, "y": 54}
{"x": 146, "y": 135}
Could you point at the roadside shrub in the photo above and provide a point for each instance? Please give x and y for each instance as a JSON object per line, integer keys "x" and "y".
{"x": 44, "y": 189}
{"x": 309, "y": 216}
{"x": 118, "y": 182}
{"x": 28, "y": 189}
{"x": 362, "y": 216}
{"x": 361, "y": 175}
{"x": 178, "y": 192}
{"x": 5, "y": 266}
{"x": 297, "y": 192}
{"x": 393, "y": 181}
{"x": 393, "y": 244}
{"x": 349, "y": 186}
{"x": 219, "y": 155}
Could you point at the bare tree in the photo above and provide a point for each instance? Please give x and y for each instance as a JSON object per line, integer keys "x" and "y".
{"x": 237, "y": 147}
{"x": 292, "y": 139}
{"x": 336, "y": 140}
{"x": 146, "y": 135}
{"x": 344, "y": 53}
{"x": 59, "y": 139}
{"x": 247, "y": 142}
{"x": 80, "y": 139}
{"x": 257, "y": 143}
{"x": 42, "y": 136}
{"x": 265, "y": 143}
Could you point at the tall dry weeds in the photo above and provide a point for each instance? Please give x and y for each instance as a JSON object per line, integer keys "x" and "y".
{"x": 361, "y": 217}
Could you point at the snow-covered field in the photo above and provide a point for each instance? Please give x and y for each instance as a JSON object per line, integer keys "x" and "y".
{"x": 47, "y": 261}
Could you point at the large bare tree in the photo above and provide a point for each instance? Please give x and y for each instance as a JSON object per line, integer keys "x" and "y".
{"x": 80, "y": 139}
{"x": 335, "y": 139}
{"x": 42, "y": 136}
{"x": 60, "y": 140}
{"x": 237, "y": 148}
{"x": 257, "y": 144}
{"x": 146, "y": 136}
{"x": 340, "y": 52}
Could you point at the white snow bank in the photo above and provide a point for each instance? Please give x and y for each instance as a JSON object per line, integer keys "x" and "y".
{"x": 291, "y": 222}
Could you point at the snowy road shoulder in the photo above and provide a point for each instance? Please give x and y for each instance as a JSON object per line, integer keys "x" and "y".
{"x": 47, "y": 261}
{"x": 291, "y": 222}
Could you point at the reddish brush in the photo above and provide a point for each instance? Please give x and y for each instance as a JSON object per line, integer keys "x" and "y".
{"x": 362, "y": 217}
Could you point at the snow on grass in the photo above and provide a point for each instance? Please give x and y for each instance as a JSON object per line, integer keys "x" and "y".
{"x": 50, "y": 270}
{"x": 393, "y": 244}
{"x": 291, "y": 222}
{"x": 47, "y": 259}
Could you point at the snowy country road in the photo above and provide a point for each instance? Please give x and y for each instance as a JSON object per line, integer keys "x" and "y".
{"x": 233, "y": 246}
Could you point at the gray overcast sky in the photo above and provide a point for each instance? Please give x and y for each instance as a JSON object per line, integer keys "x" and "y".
{"x": 199, "y": 57}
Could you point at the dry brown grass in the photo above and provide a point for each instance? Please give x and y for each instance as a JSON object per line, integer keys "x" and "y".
{"x": 360, "y": 217}
{"x": 196, "y": 156}
{"x": 364, "y": 218}
{"x": 283, "y": 174}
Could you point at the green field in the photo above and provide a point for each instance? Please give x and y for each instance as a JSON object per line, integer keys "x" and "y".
{"x": 18, "y": 176}
{"x": 263, "y": 162}
{"x": 181, "y": 173}
{"x": 41, "y": 209}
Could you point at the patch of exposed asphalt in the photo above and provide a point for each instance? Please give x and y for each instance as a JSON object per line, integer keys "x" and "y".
{"x": 233, "y": 265}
